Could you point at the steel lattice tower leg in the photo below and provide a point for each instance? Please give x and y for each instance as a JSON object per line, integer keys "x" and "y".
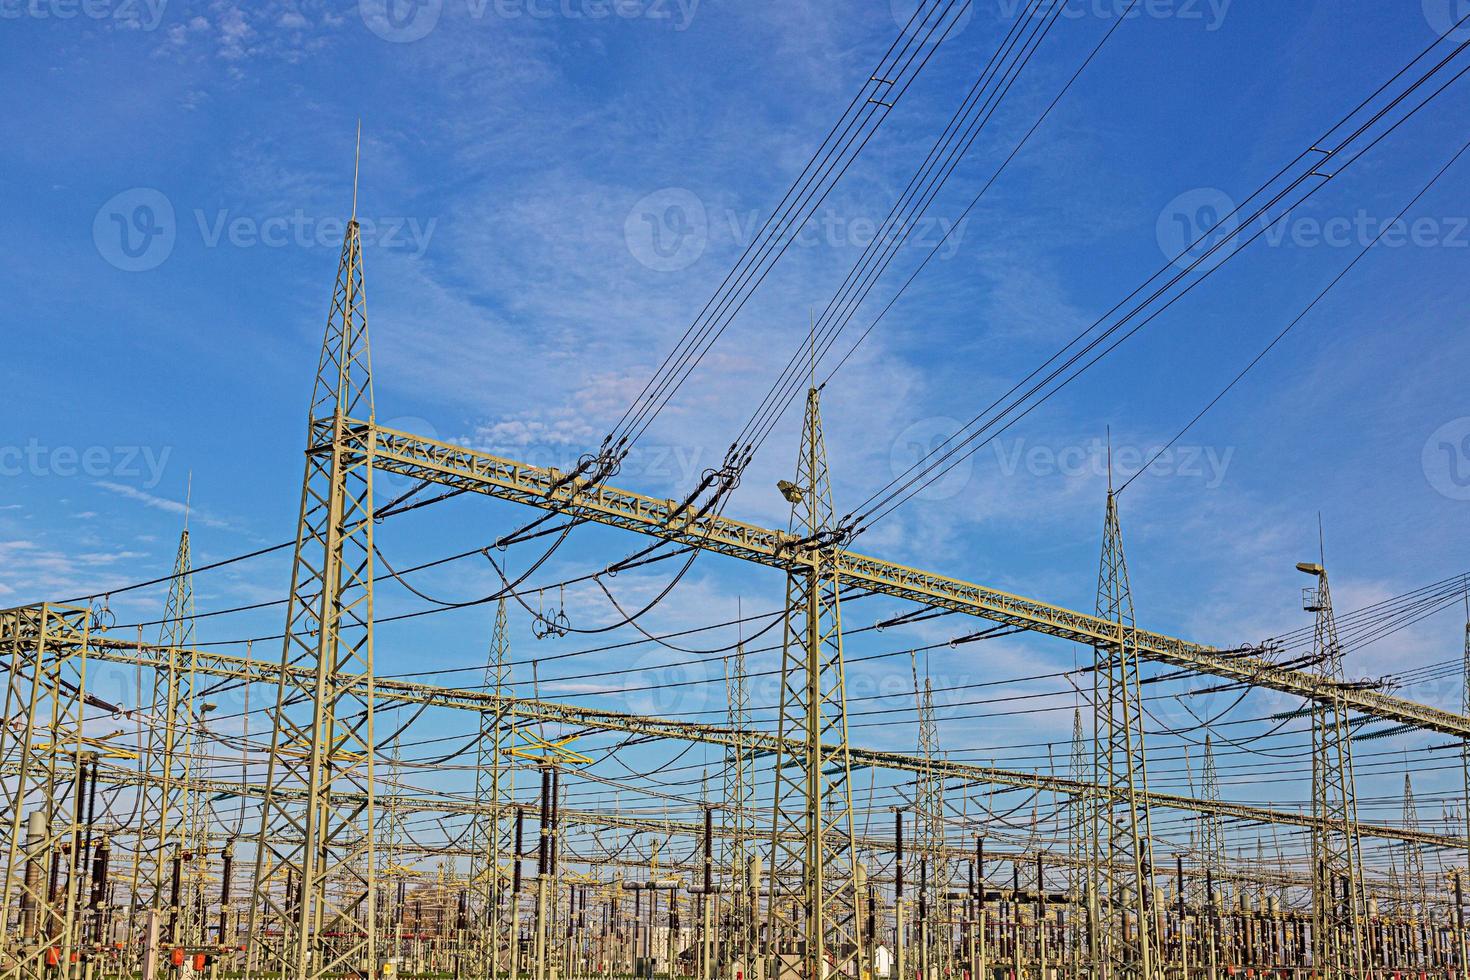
{"x": 392, "y": 872}
{"x": 929, "y": 832}
{"x": 739, "y": 798}
{"x": 1337, "y": 894}
{"x": 1212, "y": 857}
{"x": 45, "y": 650}
{"x": 494, "y": 792}
{"x": 313, "y": 838}
{"x": 1212, "y": 825}
{"x": 1415, "y": 894}
{"x": 813, "y": 911}
{"x": 1123, "y": 839}
{"x": 1459, "y": 917}
{"x": 1079, "y": 847}
{"x": 166, "y": 810}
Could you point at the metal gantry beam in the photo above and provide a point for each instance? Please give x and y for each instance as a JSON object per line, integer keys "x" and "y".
{"x": 545, "y": 488}
{"x": 759, "y": 744}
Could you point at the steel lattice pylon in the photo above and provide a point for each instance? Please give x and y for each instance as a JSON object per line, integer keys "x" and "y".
{"x": 1459, "y": 914}
{"x": 492, "y": 839}
{"x": 1079, "y": 838}
{"x": 1415, "y": 889}
{"x": 929, "y": 822}
{"x": 739, "y": 802}
{"x": 314, "y": 913}
{"x": 1212, "y": 825}
{"x": 1337, "y": 893}
{"x": 1338, "y": 904}
{"x": 392, "y": 872}
{"x": 45, "y": 653}
{"x": 1122, "y": 840}
{"x": 166, "y": 805}
{"x": 813, "y": 909}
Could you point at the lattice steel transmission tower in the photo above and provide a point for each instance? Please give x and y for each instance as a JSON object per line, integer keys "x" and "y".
{"x": 1212, "y": 824}
{"x": 929, "y": 820}
{"x": 166, "y": 808}
{"x": 1465, "y": 743}
{"x": 1337, "y": 894}
{"x": 314, "y": 913}
{"x": 492, "y": 838}
{"x": 813, "y": 908}
{"x": 740, "y": 785}
{"x": 394, "y": 875}
{"x": 1415, "y": 890}
{"x": 1080, "y": 870}
{"x": 45, "y": 653}
{"x": 1123, "y": 844}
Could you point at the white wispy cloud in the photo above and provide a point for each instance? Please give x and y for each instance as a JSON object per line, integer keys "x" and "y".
{"x": 166, "y": 504}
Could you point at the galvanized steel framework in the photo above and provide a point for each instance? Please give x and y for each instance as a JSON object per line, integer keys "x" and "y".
{"x": 1125, "y": 941}
{"x": 814, "y": 905}
{"x": 314, "y": 912}
{"x": 315, "y": 909}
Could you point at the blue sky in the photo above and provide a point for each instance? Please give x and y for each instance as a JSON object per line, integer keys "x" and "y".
{"x": 512, "y": 153}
